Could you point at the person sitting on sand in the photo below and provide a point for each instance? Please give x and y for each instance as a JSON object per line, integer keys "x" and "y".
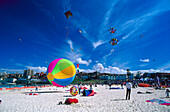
{"x": 128, "y": 91}
{"x": 167, "y": 93}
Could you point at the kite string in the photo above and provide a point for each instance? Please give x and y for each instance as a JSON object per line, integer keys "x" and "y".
{"x": 67, "y": 33}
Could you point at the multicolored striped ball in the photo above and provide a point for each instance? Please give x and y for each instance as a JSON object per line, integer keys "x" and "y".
{"x": 74, "y": 90}
{"x": 61, "y": 72}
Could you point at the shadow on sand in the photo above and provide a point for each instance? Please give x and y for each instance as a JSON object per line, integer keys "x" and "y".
{"x": 163, "y": 97}
{"x": 118, "y": 100}
{"x": 68, "y": 96}
{"x": 45, "y": 92}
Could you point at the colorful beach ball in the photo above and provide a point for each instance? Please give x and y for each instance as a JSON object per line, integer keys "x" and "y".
{"x": 74, "y": 90}
{"x": 61, "y": 72}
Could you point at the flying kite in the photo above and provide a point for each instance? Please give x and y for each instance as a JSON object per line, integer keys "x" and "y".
{"x": 77, "y": 68}
{"x": 80, "y": 31}
{"x": 114, "y": 41}
{"x": 68, "y": 14}
{"x": 112, "y": 30}
{"x": 112, "y": 50}
{"x": 20, "y": 40}
{"x": 141, "y": 36}
{"x": 72, "y": 49}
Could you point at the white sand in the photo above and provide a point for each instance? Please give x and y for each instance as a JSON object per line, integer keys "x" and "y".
{"x": 105, "y": 101}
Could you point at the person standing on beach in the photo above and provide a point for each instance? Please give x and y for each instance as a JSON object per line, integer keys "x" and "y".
{"x": 128, "y": 91}
{"x": 91, "y": 86}
{"x": 79, "y": 86}
{"x": 36, "y": 89}
{"x": 167, "y": 93}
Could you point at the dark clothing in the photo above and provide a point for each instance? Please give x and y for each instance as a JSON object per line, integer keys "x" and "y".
{"x": 79, "y": 90}
{"x": 128, "y": 94}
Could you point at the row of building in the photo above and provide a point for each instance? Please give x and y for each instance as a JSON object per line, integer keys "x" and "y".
{"x": 28, "y": 75}
{"x": 123, "y": 77}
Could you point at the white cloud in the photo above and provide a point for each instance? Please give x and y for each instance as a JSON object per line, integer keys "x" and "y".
{"x": 80, "y": 61}
{"x": 37, "y": 69}
{"x": 144, "y": 60}
{"x": 98, "y": 66}
{"x": 109, "y": 69}
{"x": 96, "y": 44}
{"x": 87, "y": 70}
{"x": 96, "y": 61}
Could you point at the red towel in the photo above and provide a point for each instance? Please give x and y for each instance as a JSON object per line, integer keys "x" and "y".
{"x": 70, "y": 100}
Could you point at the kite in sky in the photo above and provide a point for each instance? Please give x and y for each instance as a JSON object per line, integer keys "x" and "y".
{"x": 141, "y": 36}
{"x": 20, "y": 40}
{"x": 112, "y": 50}
{"x": 68, "y": 14}
{"x": 72, "y": 49}
{"x": 113, "y": 41}
{"x": 112, "y": 30}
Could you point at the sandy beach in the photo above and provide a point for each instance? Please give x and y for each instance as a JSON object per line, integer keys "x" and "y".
{"x": 104, "y": 101}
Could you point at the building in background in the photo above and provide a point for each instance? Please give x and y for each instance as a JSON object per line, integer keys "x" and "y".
{"x": 28, "y": 73}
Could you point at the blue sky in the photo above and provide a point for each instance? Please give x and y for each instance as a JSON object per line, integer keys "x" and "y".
{"x": 34, "y": 32}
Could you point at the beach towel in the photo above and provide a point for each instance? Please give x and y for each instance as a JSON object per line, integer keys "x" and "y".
{"x": 160, "y": 101}
{"x": 88, "y": 93}
{"x": 32, "y": 94}
{"x": 143, "y": 85}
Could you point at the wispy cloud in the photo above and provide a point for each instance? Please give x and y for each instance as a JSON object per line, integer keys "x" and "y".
{"x": 66, "y": 5}
{"x": 142, "y": 65}
{"x": 70, "y": 43}
{"x": 80, "y": 61}
{"x": 165, "y": 66}
{"x": 96, "y": 44}
{"x": 105, "y": 57}
{"x": 144, "y": 60}
{"x": 19, "y": 64}
{"x": 11, "y": 70}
